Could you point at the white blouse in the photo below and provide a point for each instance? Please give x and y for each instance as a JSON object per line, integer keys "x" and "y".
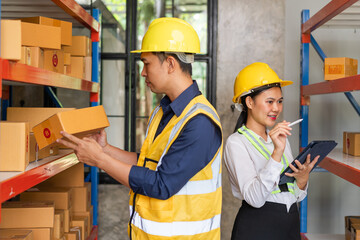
{"x": 253, "y": 177}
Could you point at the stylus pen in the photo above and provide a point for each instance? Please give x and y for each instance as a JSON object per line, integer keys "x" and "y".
{"x": 295, "y": 122}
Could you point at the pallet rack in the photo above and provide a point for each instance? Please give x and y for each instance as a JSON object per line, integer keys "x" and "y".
{"x": 342, "y": 165}
{"x": 12, "y": 73}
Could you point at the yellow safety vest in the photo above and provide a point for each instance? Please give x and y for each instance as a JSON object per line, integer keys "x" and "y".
{"x": 195, "y": 211}
{"x": 266, "y": 153}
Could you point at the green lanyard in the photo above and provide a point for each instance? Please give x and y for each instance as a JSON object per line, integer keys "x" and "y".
{"x": 265, "y": 152}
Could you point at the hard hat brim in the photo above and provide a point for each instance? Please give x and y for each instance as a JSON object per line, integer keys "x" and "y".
{"x": 141, "y": 51}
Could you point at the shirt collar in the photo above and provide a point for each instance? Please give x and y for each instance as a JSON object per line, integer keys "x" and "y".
{"x": 179, "y": 104}
{"x": 261, "y": 139}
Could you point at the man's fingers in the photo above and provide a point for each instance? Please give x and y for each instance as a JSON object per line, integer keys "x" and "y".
{"x": 66, "y": 143}
{"x": 70, "y": 137}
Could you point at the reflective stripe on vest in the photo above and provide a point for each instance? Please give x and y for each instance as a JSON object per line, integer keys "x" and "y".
{"x": 266, "y": 153}
{"x": 211, "y": 184}
{"x": 175, "y": 228}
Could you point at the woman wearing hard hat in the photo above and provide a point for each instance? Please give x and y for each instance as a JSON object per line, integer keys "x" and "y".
{"x": 255, "y": 157}
{"x": 175, "y": 182}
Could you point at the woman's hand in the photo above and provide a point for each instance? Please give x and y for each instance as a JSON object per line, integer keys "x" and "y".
{"x": 302, "y": 172}
{"x": 278, "y": 136}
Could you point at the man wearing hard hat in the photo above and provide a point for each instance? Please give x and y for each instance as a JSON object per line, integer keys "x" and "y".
{"x": 175, "y": 182}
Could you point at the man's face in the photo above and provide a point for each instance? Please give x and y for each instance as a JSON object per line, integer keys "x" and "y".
{"x": 154, "y": 72}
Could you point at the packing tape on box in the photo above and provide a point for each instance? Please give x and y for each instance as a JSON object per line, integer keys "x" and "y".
{"x": 76, "y": 229}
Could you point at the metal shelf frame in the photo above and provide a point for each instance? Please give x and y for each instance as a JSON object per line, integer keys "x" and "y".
{"x": 12, "y": 73}
{"x": 333, "y": 163}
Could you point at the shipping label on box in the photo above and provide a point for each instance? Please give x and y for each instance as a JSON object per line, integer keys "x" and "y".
{"x": 66, "y": 27}
{"x": 16, "y": 234}
{"x": 339, "y": 68}
{"x": 11, "y": 39}
{"x": 14, "y": 147}
{"x": 37, "y": 35}
{"x": 54, "y": 60}
{"x": 27, "y": 214}
{"x": 351, "y": 143}
{"x": 80, "y": 122}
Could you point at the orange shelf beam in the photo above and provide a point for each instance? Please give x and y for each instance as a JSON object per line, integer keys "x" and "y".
{"x": 24, "y": 180}
{"x": 346, "y": 84}
{"x": 18, "y": 72}
{"x": 325, "y": 14}
{"x": 342, "y": 170}
{"x": 79, "y": 13}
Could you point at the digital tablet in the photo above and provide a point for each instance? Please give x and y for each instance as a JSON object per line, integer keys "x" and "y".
{"x": 315, "y": 148}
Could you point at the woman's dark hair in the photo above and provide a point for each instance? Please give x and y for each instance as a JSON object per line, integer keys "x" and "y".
{"x": 185, "y": 67}
{"x": 244, "y": 114}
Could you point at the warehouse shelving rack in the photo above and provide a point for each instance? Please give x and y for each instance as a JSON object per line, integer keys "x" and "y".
{"x": 12, "y": 73}
{"x": 342, "y": 165}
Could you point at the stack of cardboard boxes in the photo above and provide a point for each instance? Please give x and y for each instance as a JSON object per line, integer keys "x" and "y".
{"x": 59, "y": 208}
{"x": 46, "y": 43}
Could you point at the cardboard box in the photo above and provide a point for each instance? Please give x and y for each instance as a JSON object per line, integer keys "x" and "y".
{"x": 59, "y": 224}
{"x": 67, "y": 59}
{"x": 41, "y": 233}
{"x": 355, "y": 232}
{"x": 67, "y": 219}
{"x": 16, "y": 234}
{"x": 32, "y": 115}
{"x": 72, "y": 235}
{"x": 37, "y": 35}
{"x": 71, "y": 177}
{"x": 80, "y": 122}
{"x": 32, "y": 56}
{"x": 81, "y": 200}
{"x": 350, "y": 220}
{"x": 340, "y": 67}
{"x": 22, "y": 214}
{"x": 81, "y": 46}
{"x": 80, "y": 67}
{"x": 351, "y": 143}
{"x": 37, "y": 154}
{"x": 66, "y": 27}
{"x": 11, "y": 39}
{"x": 14, "y": 147}
{"x": 89, "y": 215}
{"x": 82, "y": 222}
{"x": 62, "y": 197}
{"x": 54, "y": 60}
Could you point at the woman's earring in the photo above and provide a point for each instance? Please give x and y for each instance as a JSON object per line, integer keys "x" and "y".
{"x": 239, "y": 107}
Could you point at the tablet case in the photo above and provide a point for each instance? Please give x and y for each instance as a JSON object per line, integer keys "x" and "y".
{"x": 322, "y": 148}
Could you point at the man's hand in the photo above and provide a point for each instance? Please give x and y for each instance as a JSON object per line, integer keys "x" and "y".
{"x": 87, "y": 149}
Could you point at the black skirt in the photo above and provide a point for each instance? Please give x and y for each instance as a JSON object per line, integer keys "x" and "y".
{"x": 272, "y": 222}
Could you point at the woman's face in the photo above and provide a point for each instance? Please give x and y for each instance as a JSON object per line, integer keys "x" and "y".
{"x": 266, "y": 107}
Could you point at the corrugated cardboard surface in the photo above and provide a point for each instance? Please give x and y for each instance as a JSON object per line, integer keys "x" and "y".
{"x": 32, "y": 56}
{"x": 32, "y": 115}
{"x": 81, "y": 221}
{"x": 27, "y": 215}
{"x": 79, "y": 122}
{"x": 81, "y": 200}
{"x": 339, "y": 67}
{"x": 37, "y": 35}
{"x": 14, "y": 147}
{"x": 62, "y": 197}
{"x": 54, "y": 60}
{"x": 351, "y": 143}
{"x": 89, "y": 215}
{"x": 72, "y": 235}
{"x": 37, "y": 154}
{"x": 81, "y": 46}
{"x": 16, "y": 234}
{"x": 11, "y": 39}
{"x": 59, "y": 224}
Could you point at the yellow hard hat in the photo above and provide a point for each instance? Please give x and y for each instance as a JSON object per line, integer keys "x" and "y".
{"x": 170, "y": 35}
{"x": 253, "y": 76}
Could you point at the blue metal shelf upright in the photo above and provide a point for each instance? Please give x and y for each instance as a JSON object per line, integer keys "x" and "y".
{"x": 345, "y": 85}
